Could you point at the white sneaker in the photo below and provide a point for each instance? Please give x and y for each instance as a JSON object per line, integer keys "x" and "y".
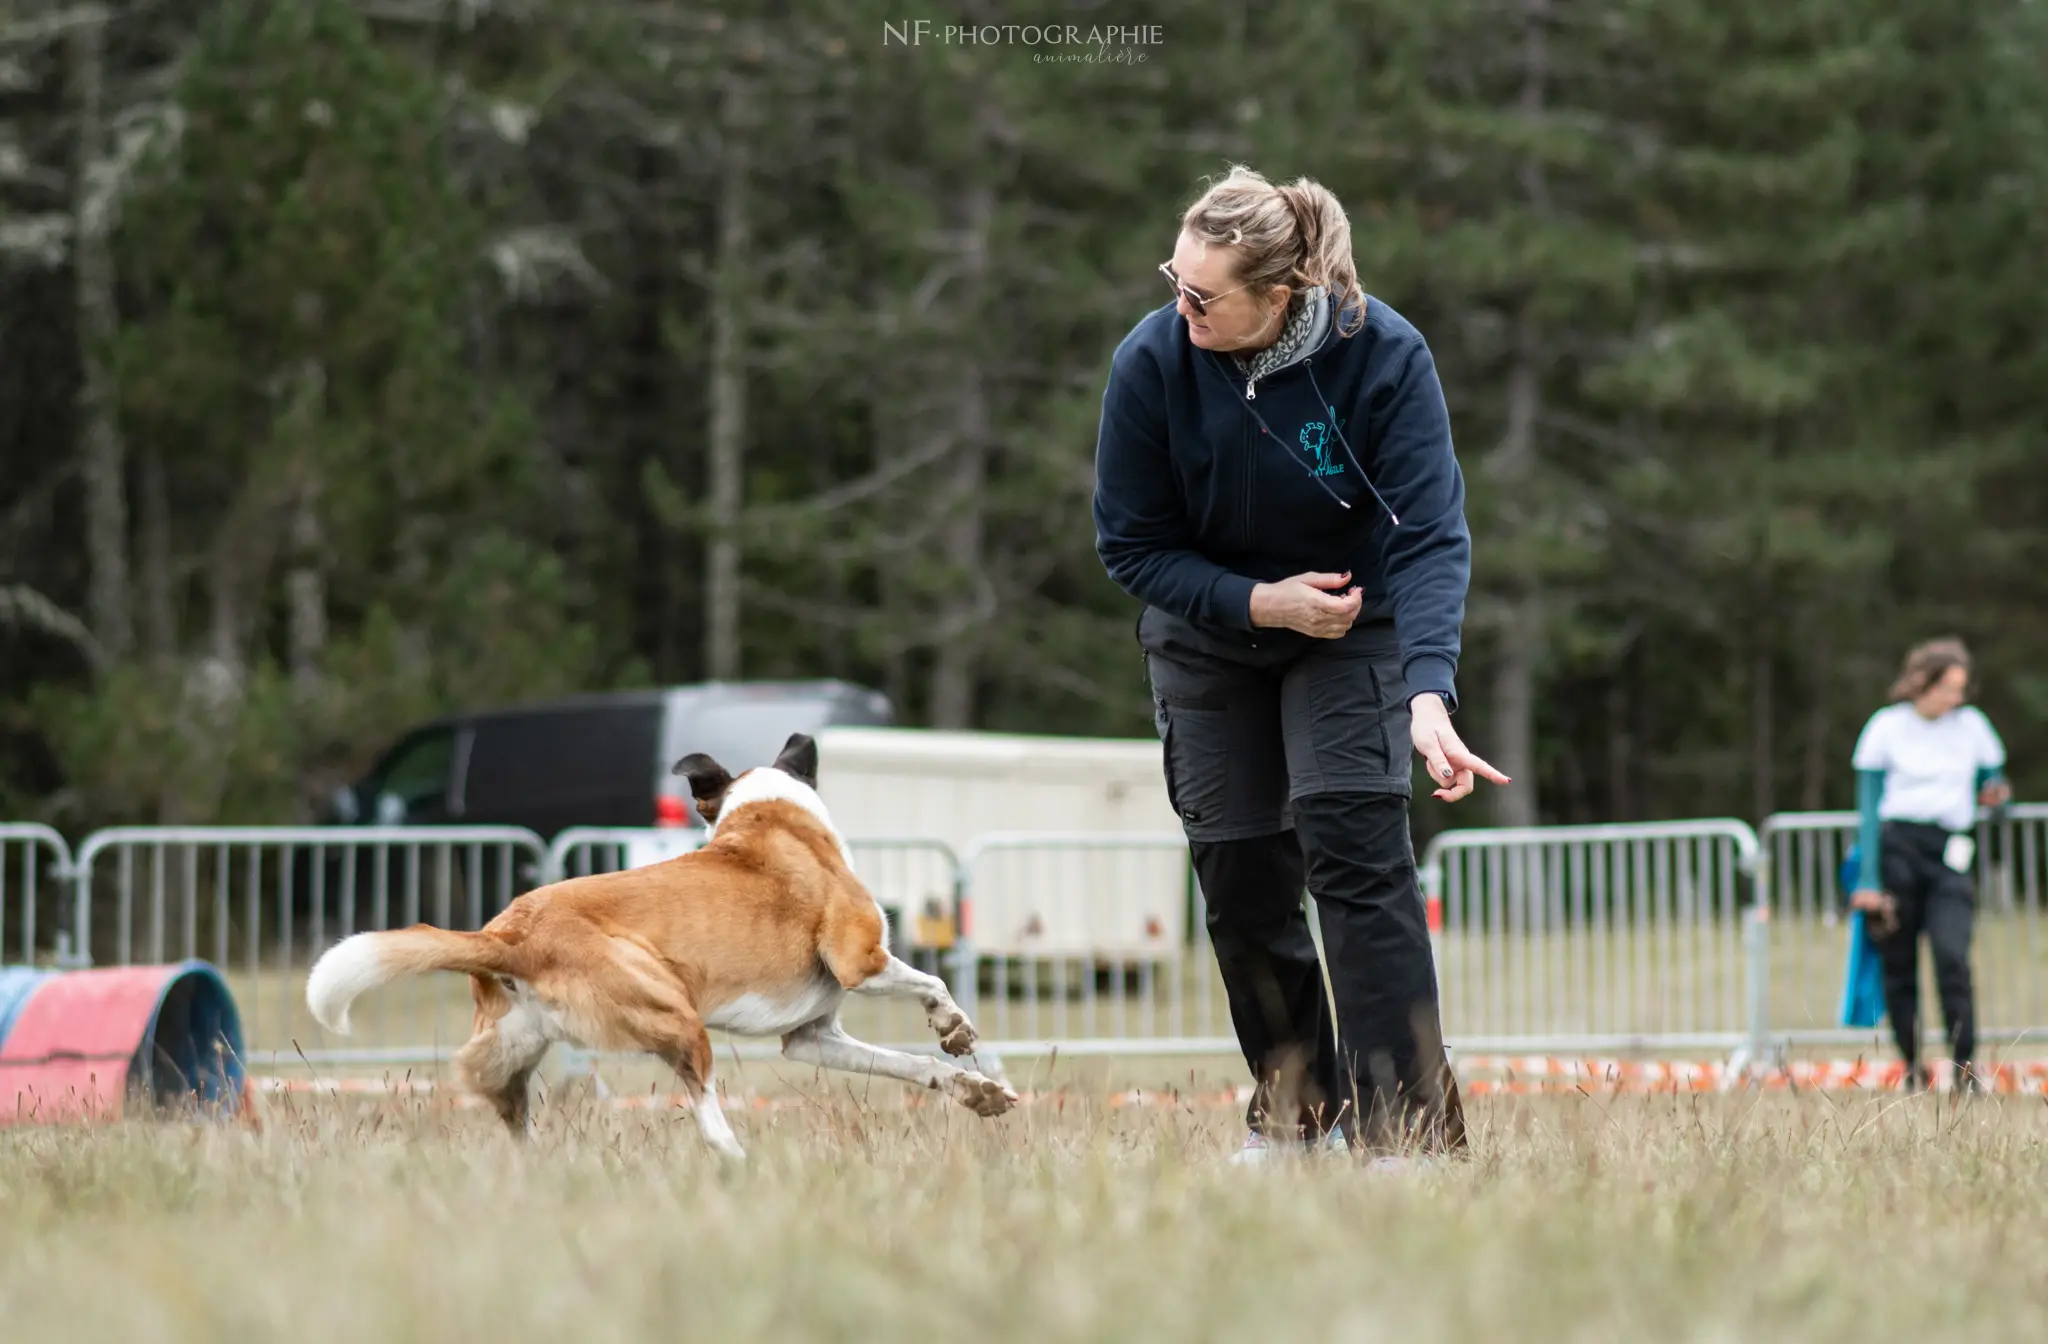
{"x": 1257, "y": 1148}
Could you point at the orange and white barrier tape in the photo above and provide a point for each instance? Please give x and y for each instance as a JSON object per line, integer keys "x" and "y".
{"x": 425, "y": 1089}
{"x": 1478, "y": 1076}
{"x": 1517, "y": 1075}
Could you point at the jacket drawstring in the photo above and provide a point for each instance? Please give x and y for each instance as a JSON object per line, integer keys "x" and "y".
{"x": 1268, "y": 431}
{"x": 1331, "y": 411}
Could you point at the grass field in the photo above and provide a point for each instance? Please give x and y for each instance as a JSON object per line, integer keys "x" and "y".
{"x": 1811, "y": 1218}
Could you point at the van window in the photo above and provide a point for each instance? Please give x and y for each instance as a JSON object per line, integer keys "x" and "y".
{"x": 559, "y": 757}
{"x": 416, "y": 775}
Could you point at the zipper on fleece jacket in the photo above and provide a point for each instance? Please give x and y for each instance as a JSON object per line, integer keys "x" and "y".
{"x": 1251, "y": 381}
{"x": 1246, "y": 513}
{"x": 1307, "y": 367}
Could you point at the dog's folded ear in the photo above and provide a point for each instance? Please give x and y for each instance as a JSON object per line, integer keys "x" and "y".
{"x": 799, "y": 759}
{"x": 708, "y": 781}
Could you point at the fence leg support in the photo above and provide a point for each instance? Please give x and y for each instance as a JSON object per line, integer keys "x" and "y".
{"x": 967, "y": 977}
{"x": 1756, "y": 1055}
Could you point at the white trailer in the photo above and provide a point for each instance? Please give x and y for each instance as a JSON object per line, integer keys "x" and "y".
{"x": 1093, "y": 894}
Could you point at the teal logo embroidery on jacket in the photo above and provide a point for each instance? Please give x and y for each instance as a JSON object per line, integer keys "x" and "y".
{"x": 1315, "y": 441}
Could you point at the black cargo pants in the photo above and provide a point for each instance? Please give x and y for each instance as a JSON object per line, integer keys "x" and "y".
{"x": 1288, "y": 760}
{"x": 1932, "y": 897}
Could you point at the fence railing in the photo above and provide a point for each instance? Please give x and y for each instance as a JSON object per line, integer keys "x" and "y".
{"x": 1131, "y": 970}
{"x": 582, "y": 851}
{"x": 1688, "y": 936}
{"x": 1595, "y": 937}
{"x": 1803, "y": 855}
{"x": 261, "y": 902}
{"x": 35, "y": 876}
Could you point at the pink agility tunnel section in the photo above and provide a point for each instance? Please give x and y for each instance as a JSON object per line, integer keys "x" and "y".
{"x": 123, "y": 1040}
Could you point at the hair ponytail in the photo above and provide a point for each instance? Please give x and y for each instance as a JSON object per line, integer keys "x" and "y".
{"x": 1296, "y": 234}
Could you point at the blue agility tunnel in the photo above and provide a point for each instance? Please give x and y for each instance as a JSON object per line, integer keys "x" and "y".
{"x": 17, "y": 985}
{"x": 120, "y": 1040}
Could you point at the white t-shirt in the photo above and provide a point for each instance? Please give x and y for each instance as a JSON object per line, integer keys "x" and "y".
{"x": 1930, "y": 765}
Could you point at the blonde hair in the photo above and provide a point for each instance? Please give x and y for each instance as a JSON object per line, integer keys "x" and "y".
{"x": 1928, "y": 663}
{"x": 1295, "y": 234}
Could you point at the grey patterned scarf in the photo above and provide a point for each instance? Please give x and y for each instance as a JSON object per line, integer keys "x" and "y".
{"x": 1307, "y": 321}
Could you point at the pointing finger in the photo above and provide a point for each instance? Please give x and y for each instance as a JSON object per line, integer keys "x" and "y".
{"x": 1465, "y": 760}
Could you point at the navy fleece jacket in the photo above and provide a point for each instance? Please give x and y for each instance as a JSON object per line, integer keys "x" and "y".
{"x": 1340, "y": 461}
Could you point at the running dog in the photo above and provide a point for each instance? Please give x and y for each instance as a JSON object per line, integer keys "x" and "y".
{"x": 761, "y": 932}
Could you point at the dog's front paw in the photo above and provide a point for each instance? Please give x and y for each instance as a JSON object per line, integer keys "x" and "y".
{"x": 957, "y": 1037}
{"x": 984, "y": 1096}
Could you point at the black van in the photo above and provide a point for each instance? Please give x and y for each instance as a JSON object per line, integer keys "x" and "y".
{"x": 591, "y": 760}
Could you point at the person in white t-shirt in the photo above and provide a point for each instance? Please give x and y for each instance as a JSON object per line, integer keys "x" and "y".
{"x": 1924, "y": 764}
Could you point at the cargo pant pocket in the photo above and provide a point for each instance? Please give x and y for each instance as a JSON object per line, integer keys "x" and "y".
{"x": 1196, "y": 735}
{"x": 1348, "y": 728}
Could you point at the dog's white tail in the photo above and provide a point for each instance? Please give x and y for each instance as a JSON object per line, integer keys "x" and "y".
{"x": 362, "y": 962}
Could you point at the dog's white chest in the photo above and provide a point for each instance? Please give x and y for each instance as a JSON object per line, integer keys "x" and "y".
{"x": 758, "y": 1014}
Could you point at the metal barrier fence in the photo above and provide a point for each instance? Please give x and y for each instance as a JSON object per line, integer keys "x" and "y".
{"x": 1640, "y": 935}
{"x": 1803, "y": 854}
{"x": 35, "y": 870}
{"x": 1145, "y": 983}
{"x": 261, "y": 902}
{"x": 1665, "y": 936}
{"x": 581, "y": 851}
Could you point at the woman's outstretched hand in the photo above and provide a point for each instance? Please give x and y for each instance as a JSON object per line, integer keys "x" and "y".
{"x": 1452, "y": 766}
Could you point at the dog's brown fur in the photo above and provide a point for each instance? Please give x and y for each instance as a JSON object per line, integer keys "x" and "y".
{"x": 643, "y": 960}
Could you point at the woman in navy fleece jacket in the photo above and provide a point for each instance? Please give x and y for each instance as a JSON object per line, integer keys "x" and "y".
{"x": 1275, "y": 482}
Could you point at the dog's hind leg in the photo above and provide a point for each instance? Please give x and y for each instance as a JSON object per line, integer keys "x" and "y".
{"x": 498, "y": 1060}
{"x": 497, "y": 1064}
{"x": 826, "y": 1044}
{"x": 679, "y": 1039}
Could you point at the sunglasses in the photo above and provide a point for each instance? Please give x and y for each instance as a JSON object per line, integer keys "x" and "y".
{"x": 1195, "y": 301}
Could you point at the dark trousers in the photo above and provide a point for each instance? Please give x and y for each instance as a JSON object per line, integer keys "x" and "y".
{"x": 1934, "y": 898}
{"x": 1288, "y": 762}
{"x": 1385, "y": 1059}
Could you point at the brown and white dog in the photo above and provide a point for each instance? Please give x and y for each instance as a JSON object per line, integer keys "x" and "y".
{"x": 761, "y": 932}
